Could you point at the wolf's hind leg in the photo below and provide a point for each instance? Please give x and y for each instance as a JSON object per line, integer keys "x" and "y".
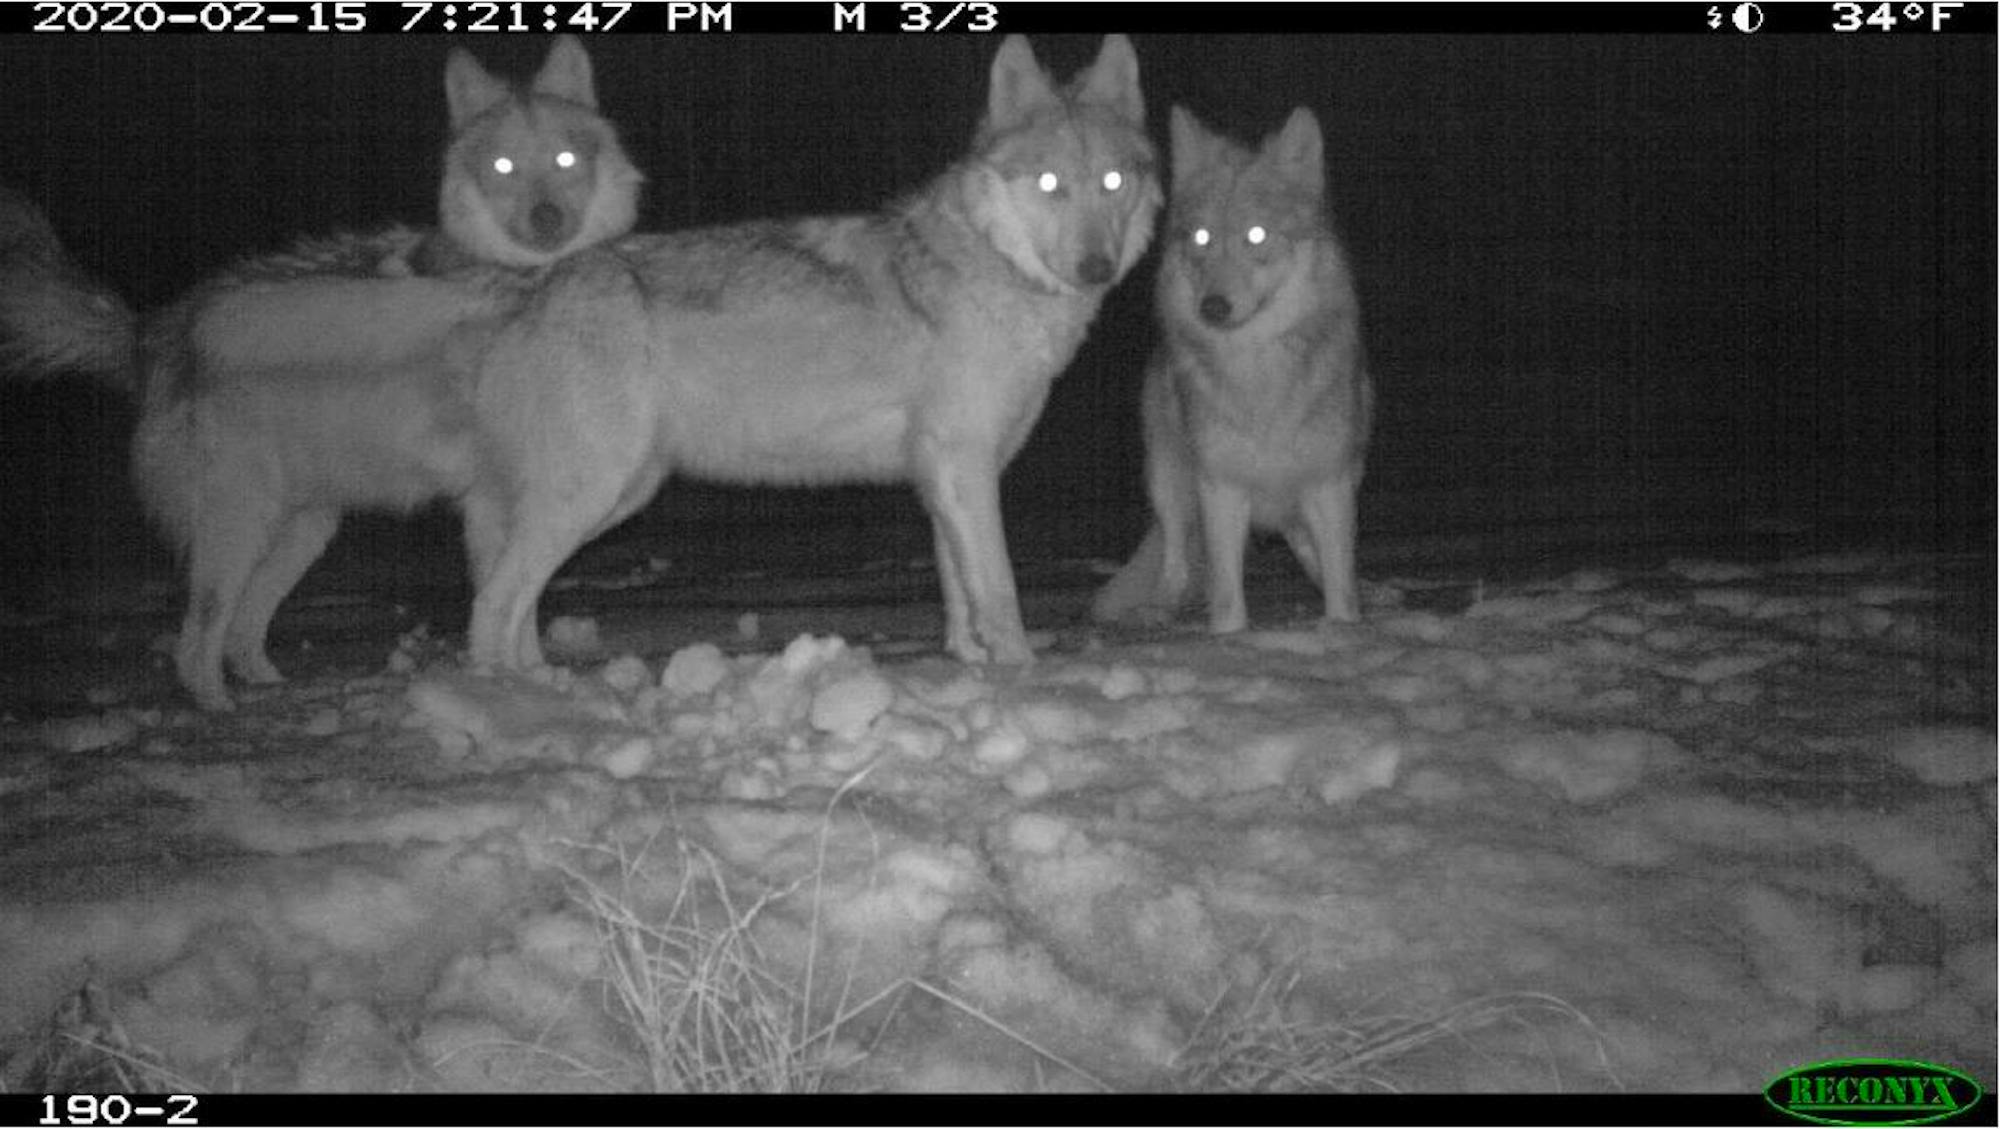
{"x": 1299, "y": 537}
{"x": 485, "y": 534}
{"x": 300, "y": 540}
{"x": 231, "y": 536}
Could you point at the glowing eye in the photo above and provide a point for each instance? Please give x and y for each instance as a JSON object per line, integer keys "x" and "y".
{"x": 1201, "y": 237}
{"x": 1256, "y": 235}
{"x": 1114, "y": 180}
{"x": 503, "y": 166}
{"x": 565, "y": 159}
{"x": 1047, "y": 182}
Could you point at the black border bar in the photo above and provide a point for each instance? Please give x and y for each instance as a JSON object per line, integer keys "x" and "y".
{"x": 972, "y": 1110}
{"x": 1724, "y": 18}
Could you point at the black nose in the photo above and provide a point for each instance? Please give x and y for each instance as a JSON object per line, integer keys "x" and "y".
{"x": 1215, "y": 310}
{"x": 547, "y": 220}
{"x": 1096, "y": 270}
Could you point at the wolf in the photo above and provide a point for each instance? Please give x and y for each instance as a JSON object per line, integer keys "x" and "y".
{"x": 1257, "y": 402}
{"x": 531, "y": 174}
{"x": 336, "y": 392}
{"x": 915, "y": 344}
{"x": 295, "y": 387}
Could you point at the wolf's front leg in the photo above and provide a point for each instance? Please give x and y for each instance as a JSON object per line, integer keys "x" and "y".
{"x": 1170, "y": 486}
{"x": 543, "y": 532}
{"x": 983, "y": 619}
{"x": 1225, "y": 526}
{"x": 1329, "y": 515}
{"x": 958, "y": 638}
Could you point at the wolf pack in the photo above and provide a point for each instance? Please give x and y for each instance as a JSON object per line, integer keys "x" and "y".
{"x": 537, "y": 365}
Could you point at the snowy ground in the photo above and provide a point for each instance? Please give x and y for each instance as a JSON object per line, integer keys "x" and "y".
{"x": 1676, "y": 827}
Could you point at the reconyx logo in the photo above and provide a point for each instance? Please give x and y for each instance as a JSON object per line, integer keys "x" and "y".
{"x": 1872, "y": 1091}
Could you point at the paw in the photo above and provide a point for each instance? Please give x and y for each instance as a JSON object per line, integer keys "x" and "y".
{"x": 1106, "y": 610}
{"x": 212, "y": 697}
{"x": 1342, "y": 611}
{"x": 1013, "y": 654}
{"x": 1227, "y": 622}
{"x": 256, "y": 669}
{"x": 529, "y": 658}
{"x": 1133, "y": 615}
{"x": 1005, "y": 648}
{"x": 203, "y": 680}
{"x": 963, "y": 647}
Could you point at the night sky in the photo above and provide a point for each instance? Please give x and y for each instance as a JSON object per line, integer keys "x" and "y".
{"x": 1666, "y": 287}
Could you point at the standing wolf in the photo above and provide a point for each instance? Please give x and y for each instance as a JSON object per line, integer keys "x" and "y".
{"x": 1257, "y": 404}
{"x": 297, "y": 386}
{"x": 916, "y": 344}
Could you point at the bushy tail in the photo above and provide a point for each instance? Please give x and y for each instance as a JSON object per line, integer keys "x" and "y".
{"x": 55, "y": 319}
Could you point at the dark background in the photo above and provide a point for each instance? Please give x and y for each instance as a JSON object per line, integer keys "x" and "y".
{"x": 1622, "y": 293}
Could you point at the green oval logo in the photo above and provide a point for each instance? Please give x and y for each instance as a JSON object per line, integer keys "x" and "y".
{"x": 1872, "y": 1091}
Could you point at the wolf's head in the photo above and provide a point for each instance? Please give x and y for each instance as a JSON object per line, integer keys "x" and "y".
{"x": 1243, "y": 222}
{"x": 535, "y": 174}
{"x": 1062, "y": 181}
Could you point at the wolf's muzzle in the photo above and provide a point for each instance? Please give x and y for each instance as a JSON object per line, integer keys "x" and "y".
{"x": 549, "y": 222}
{"x": 1215, "y": 310}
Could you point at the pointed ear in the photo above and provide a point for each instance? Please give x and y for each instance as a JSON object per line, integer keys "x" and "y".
{"x": 469, "y": 90}
{"x": 1113, "y": 80}
{"x": 1190, "y": 142}
{"x": 1019, "y": 87}
{"x": 566, "y": 73}
{"x": 1298, "y": 150}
